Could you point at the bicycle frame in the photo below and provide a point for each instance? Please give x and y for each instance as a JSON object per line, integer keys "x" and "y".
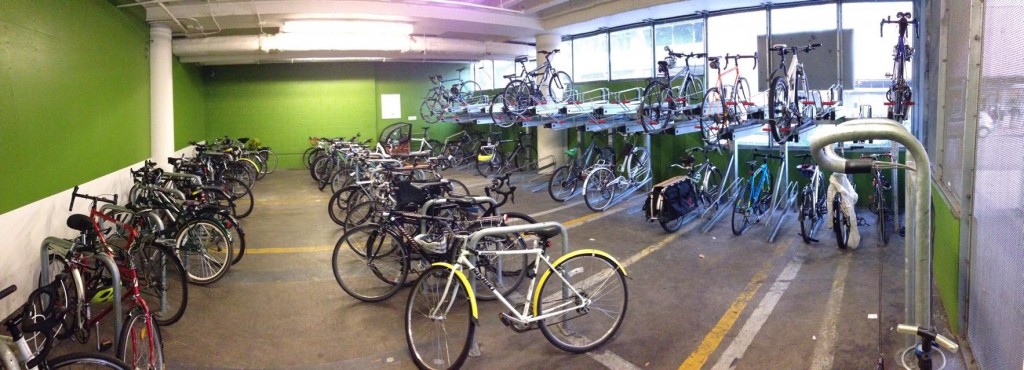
{"x": 757, "y": 181}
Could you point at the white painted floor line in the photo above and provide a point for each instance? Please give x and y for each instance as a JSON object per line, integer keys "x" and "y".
{"x": 825, "y": 348}
{"x": 612, "y": 361}
{"x": 757, "y": 319}
{"x": 556, "y": 209}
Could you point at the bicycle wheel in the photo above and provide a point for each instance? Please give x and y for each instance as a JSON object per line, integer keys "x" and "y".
{"x": 370, "y": 262}
{"x": 241, "y": 197}
{"x": 204, "y": 251}
{"x": 598, "y": 190}
{"x": 505, "y": 272}
{"x": 563, "y": 183}
{"x": 639, "y": 167}
{"x": 338, "y": 205}
{"x": 234, "y": 231}
{"x": 840, "y": 223}
{"x": 807, "y": 214}
{"x": 458, "y": 189}
{"x": 741, "y": 211}
{"x": 139, "y": 343}
{"x": 561, "y": 88}
{"x": 711, "y": 190}
{"x": 162, "y": 282}
{"x": 439, "y": 322}
{"x": 712, "y": 116}
{"x": 239, "y": 171}
{"x": 486, "y": 168}
{"x": 657, "y": 107}
{"x": 598, "y": 279}
{"x": 778, "y": 110}
{"x": 270, "y": 158}
{"x": 501, "y": 114}
{"x": 740, "y": 95}
{"x": 689, "y": 91}
{"x": 322, "y": 169}
{"x": 433, "y": 146}
{"x": 314, "y": 153}
{"x": 468, "y": 90}
{"x": 83, "y": 360}
{"x": 517, "y": 98}
{"x": 882, "y": 213}
{"x": 672, "y": 225}
{"x": 431, "y": 110}
{"x": 363, "y": 213}
{"x": 807, "y": 111}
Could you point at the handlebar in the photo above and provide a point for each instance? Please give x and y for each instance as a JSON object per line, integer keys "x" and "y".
{"x": 737, "y": 57}
{"x": 928, "y": 336}
{"x": 7, "y": 291}
{"x": 545, "y": 52}
{"x": 903, "y": 20}
{"x": 74, "y": 194}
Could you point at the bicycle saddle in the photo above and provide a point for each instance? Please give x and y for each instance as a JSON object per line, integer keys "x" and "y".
{"x": 510, "y": 76}
{"x": 779, "y": 46}
{"x": 546, "y": 232}
{"x": 522, "y": 59}
{"x": 80, "y": 222}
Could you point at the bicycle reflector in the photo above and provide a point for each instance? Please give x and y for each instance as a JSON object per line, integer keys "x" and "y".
{"x": 104, "y": 296}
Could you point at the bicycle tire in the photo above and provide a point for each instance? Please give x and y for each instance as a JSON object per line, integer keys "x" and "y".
{"x": 241, "y": 198}
{"x": 561, "y": 88}
{"x": 363, "y": 213}
{"x": 434, "y": 147}
{"x": 193, "y": 245}
{"x": 596, "y": 277}
{"x": 883, "y": 216}
{"x": 671, "y": 226}
{"x": 598, "y": 191}
{"x": 431, "y": 110}
{"x": 690, "y": 90}
{"x": 741, "y": 207}
{"x": 712, "y": 113}
{"x": 492, "y": 166}
{"x": 367, "y": 266}
{"x": 140, "y": 327}
{"x": 657, "y": 107}
{"x": 234, "y": 230}
{"x": 563, "y": 183}
{"x": 517, "y": 98}
{"x": 778, "y": 112}
{"x": 163, "y": 282}
{"x": 314, "y": 153}
{"x": 639, "y": 167}
{"x": 806, "y": 217}
{"x": 525, "y": 159}
{"x": 740, "y": 95}
{"x": 338, "y": 205}
{"x": 93, "y": 360}
{"x": 501, "y": 115}
{"x": 469, "y": 89}
{"x": 458, "y": 189}
{"x": 840, "y": 223}
{"x": 807, "y": 111}
{"x": 439, "y": 332}
{"x": 271, "y": 160}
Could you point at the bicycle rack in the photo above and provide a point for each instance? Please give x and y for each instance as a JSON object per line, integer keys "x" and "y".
{"x": 731, "y": 181}
{"x": 782, "y": 200}
{"x": 62, "y": 246}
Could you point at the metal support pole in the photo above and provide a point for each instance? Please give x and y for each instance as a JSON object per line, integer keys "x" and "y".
{"x": 919, "y": 266}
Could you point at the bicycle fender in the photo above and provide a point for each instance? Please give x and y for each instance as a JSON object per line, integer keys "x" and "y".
{"x": 251, "y": 161}
{"x": 465, "y": 282}
{"x": 544, "y": 278}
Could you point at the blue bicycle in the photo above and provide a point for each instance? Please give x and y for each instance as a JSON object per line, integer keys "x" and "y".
{"x": 755, "y": 198}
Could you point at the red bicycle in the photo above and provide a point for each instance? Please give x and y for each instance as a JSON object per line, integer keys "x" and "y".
{"x": 92, "y": 283}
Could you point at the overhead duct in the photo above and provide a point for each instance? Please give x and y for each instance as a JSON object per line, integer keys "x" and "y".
{"x": 244, "y": 48}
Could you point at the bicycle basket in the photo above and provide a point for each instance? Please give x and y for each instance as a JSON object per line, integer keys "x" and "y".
{"x": 806, "y": 169}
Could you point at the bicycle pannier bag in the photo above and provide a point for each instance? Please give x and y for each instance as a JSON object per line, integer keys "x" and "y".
{"x": 671, "y": 199}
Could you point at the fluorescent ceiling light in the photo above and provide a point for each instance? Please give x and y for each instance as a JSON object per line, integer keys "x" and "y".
{"x": 339, "y": 59}
{"x": 323, "y": 26}
{"x": 336, "y": 41}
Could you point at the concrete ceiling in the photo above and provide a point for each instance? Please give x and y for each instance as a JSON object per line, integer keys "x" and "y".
{"x": 447, "y": 22}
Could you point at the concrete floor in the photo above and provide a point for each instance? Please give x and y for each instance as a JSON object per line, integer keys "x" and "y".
{"x": 694, "y": 298}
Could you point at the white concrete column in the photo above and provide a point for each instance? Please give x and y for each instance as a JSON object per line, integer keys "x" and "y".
{"x": 550, "y": 143}
{"x": 161, "y": 94}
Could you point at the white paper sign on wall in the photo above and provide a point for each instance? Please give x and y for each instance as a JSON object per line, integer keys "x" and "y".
{"x": 390, "y": 106}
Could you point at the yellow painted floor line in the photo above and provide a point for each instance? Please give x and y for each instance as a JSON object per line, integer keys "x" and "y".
{"x": 320, "y": 248}
{"x": 714, "y": 338}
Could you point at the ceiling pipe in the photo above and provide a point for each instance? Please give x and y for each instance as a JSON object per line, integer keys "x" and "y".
{"x": 473, "y": 5}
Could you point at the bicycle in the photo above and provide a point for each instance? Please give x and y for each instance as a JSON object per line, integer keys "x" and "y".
{"x": 521, "y": 94}
{"x": 492, "y": 160}
{"x": 812, "y": 198}
{"x": 460, "y": 148}
{"x": 579, "y": 303}
{"x": 602, "y": 181}
{"x": 876, "y": 203}
{"x": 788, "y": 94}
{"x": 662, "y": 99}
{"x": 755, "y": 197}
{"x": 898, "y": 97}
{"x": 724, "y": 105}
{"x": 139, "y": 342}
{"x": 568, "y": 177}
{"x": 41, "y": 316}
{"x": 439, "y": 99}
{"x": 707, "y": 180}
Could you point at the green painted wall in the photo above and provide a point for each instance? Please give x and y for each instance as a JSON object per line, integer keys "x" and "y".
{"x": 946, "y": 256}
{"x": 74, "y": 102}
{"x": 189, "y": 105}
{"x": 284, "y": 104}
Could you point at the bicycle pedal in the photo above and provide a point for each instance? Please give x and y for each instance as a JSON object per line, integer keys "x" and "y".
{"x": 104, "y": 345}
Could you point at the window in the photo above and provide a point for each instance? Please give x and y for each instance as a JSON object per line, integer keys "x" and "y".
{"x": 590, "y": 58}
{"x": 484, "y": 74}
{"x": 563, "y": 60}
{"x": 682, "y": 37}
{"x": 792, "y": 26}
{"x": 871, "y": 56}
{"x": 736, "y": 34}
{"x": 631, "y": 53}
{"x": 502, "y": 68}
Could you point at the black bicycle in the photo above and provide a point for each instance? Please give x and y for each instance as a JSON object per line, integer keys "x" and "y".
{"x": 491, "y": 159}
{"x": 899, "y": 97}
